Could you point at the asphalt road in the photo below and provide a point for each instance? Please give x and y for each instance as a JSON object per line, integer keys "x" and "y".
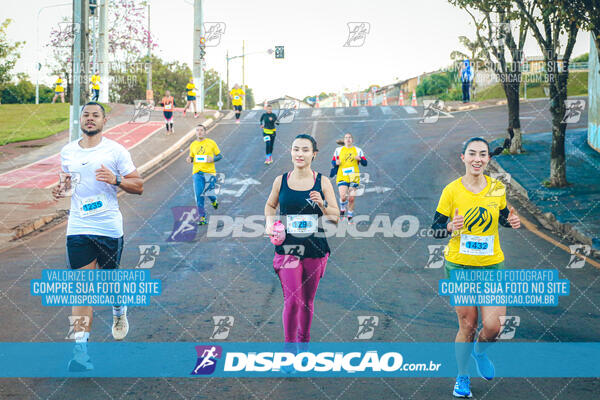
{"x": 409, "y": 164}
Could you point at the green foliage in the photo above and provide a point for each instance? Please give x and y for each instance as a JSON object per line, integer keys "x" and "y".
{"x": 129, "y": 84}
{"x": 9, "y": 54}
{"x": 24, "y": 92}
{"x": 443, "y": 85}
{"x": 582, "y": 58}
{"x": 211, "y": 78}
{"x": 250, "y": 103}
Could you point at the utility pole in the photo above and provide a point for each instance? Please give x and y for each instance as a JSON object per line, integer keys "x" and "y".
{"x": 79, "y": 52}
{"x": 103, "y": 50}
{"x": 198, "y": 62}
{"x": 244, "y": 73}
{"x": 227, "y": 58}
{"x": 149, "y": 95}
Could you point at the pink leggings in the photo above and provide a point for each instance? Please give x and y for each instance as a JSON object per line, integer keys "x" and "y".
{"x": 299, "y": 281}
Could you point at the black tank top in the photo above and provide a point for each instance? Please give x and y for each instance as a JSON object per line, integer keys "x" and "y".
{"x": 297, "y": 202}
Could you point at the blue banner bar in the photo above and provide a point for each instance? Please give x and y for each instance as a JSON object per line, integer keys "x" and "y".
{"x": 268, "y": 360}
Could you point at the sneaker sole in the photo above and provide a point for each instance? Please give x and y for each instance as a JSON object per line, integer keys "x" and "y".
{"x": 468, "y": 396}
{"x": 479, "y": 371}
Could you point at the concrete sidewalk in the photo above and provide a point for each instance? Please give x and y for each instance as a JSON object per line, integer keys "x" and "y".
{"x": 573, "y": 211}
{"x": 26, "y": 204}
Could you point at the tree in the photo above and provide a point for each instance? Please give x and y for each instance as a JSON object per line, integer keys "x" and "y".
{"x": 587, "y": 13}
{"x": 211, "y": 80}
{"x": 503, "y": 51}
{"x": 556, "y": 18}
{"x": 129, "y": 84}
{"x": 249, "y": 99}
{"x": 127, "y": 39}
{"x": 9, "y": 54}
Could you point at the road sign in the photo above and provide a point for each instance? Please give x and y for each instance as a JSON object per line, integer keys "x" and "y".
{"x": 219, "y": 103}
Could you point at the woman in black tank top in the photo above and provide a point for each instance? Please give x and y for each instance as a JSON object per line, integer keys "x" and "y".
{"x": 304, "y": 197}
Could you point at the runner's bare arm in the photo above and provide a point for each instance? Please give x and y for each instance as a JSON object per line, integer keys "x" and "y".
{"x": 271, "y": 205}
{"x": 131, "y": 183}
{"x": 332, "y": 212}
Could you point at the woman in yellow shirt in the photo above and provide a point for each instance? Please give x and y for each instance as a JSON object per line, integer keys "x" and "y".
{"x": 59, "y": 90}
{"x": 477, "y": 204}
{"x": 237, "y": 100}
{"x": 345, "y": 166}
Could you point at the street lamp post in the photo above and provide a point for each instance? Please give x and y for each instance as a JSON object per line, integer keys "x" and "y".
{"x": 37, "y": 47}
{"x": 243, "y": 57}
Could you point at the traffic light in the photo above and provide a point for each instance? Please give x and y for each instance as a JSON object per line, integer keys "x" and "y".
{"x": 279, "y": 53}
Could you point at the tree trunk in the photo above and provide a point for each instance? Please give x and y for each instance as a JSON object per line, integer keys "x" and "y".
{"x": 558, "y": 95}
{"x": 511, "y": 89}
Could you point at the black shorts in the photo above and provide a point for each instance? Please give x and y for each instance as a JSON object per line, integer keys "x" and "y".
{"x": 168, "y": 114}
{"x": 237, "y": 108}
{"x": 83, "y": 249}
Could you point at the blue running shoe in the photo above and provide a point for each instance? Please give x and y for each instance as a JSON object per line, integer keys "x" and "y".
{"x": 462, "y": 387}
{"x": 485, "y": 368}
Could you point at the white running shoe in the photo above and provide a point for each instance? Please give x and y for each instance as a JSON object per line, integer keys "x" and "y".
{"x": 120, "y": 327}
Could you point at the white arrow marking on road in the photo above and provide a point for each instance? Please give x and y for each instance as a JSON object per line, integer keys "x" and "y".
{"x": 316, "y": 113}
{"x": 339, "y": 111}
{"x": 362, "y": 112}
{"x": 250, "y": 115}
{"x": 378, "y": 189}
{"x": 410, "y": 110}
{"x": 245, "y": 184}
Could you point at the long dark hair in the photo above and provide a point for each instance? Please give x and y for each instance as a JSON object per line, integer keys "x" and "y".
{"x": 497, "y": 150}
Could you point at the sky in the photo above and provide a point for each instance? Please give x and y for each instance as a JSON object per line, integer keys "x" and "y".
{"x": 405, "y": 38}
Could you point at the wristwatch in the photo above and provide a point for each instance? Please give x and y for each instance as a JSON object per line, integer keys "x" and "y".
{"x": 119, "y": 179}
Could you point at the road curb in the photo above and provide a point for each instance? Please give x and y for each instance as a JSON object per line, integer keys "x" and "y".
{"x": 146, "y": 169}
{"x": 564, "y": 230}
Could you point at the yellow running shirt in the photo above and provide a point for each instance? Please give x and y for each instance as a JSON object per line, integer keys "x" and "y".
{"x": 348, "y": 169}
{"x": 198, "y": 151}
{"x": 95, "y": 82}
{"x": 237, "y": 96}
{"x": 59, "y": 87}
{"x": 477, "y": 244}
{"x": 190, "y": 89}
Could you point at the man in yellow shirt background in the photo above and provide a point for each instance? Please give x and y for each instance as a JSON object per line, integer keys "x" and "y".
{"x": 237, "y": 99}
{"x": 191, "y": 97}
{"x": 95, "y": 80}
{"x": 204, "y": 152}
